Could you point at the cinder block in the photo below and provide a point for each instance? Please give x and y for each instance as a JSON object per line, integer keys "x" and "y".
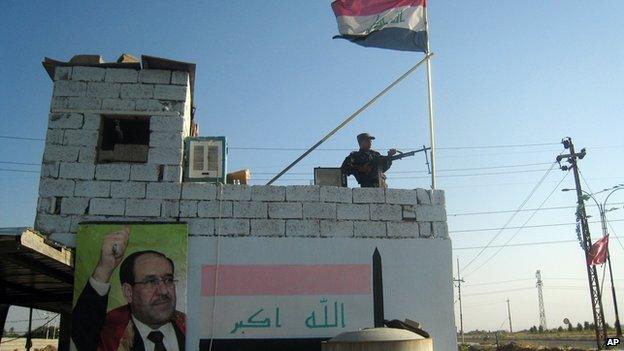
{"x": 103, "y": 90}
{"x": 75, "y": 205}
{"x": 46, "y": 223}
{"x": 59, "y": 102}
{"x": 165, "y": 156}
{"x": 170, "y": 209}
{"x": 268, "y": 227}
{"x": 403, "y": 229}
{"x": 166, "y": 123}
{"x": 438, "y": 198}
{"x": 121, "y": 75}
{"x": 62, "y": 73}
{"x": 305, "y": 228}
{"x": 353, "y": 211}
{"x": 201, "y": 226}
{"x": 53, "y": 153}
{"x": 47, "y": 204}
{"x": 249, "y": 210}
{"x": 84, "y": 103}
{"x": 440, "y": 230}
{"x": 401, "y": 196}
{"x": 65, "y": 121}
{"x": 425, "y": 229}
{"x": 188, "y": 208}
{"x": 180, "y": 78}
{"x": 303, "y": 193}
{"x": 430, "y": 213}
{"x": 170, "y": 92}
{"x": 166, "y": 139}
{"x": 285, "y": 210}
{"x": 144, "y": 172}
{"x": 92, "y": 121}
{"x": 50, "y": 169}
{"x": 56, "y": 187}
{"x": 170, "y": 191}
{"x": 232, "y": 226}
{"x": 234, "y": 192}
{"x": 214, "y": 209}
{"x": 409, "y": 212}
{"x": 333, "y": 229}
{"x": 368, "y": 229}
{"x": 143, "y": 207}
{"x": 118, "y": 104}
{"x": 92, "y": 188}
{"x": 112, "y": 171}
{"x": 107, "y": 207}
{"x": 64, "y": 239}
{"x": 137, "y": 91}
{"x": 80, "y": 137}
{"x": 424, "y": 197}
{"x": 172, "y": 174}
{"x": 83, "y": 171}
{"x": 87, "y": 154}
{"x": 155, "y": 105}
{"x": 128, "y": 190}
{"x": 319, "y": 210}
{"x": 54, "y": 136}
{"x": 369, "y": 195}
{"x": 336, "y": 194}
{"x": 155, "y": 76}
{"x": 198, "y": 191}
{"x": 268, "y": 193}
{"x": 385, "y": 212}
{"x": 90, "y": 74}
{"x": 69, "y": 88}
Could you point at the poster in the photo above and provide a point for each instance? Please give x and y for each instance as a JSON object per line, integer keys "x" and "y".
{"x": 130, "y": 287}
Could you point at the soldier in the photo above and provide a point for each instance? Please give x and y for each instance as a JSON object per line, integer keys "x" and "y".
{"x": 367, "y": 165}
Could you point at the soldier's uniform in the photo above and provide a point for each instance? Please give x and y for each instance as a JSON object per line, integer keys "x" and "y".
{"x": 374, "y": 178}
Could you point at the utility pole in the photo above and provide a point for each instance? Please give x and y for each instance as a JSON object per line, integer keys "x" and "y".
{"x": 509, "y": 315}
{"x": 540, "y": 298}
{"x": 592, "y": 274}
{"x": 459, "y": 282}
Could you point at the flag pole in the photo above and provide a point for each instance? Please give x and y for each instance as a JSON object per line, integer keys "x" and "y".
{"x": 351, "y": 117}
{"x": 430, "y": 98}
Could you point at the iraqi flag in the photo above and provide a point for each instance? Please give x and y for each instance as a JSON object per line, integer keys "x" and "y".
{"x": 598, "y": 252}
{"x": 388, "y": 24}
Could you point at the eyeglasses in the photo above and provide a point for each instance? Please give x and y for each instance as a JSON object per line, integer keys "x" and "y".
{"x": 155, "y": 282}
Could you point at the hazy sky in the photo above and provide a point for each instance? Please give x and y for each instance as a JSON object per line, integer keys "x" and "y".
{"x": 269, "y": 75}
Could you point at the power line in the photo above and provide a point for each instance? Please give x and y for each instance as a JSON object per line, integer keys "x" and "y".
{"x": 523, "y": 224}
{"x": 525, "y": 227}
{"x": 512, "y": 216}
{"x": 498, "y": 291}
{"x": 499, "y": 282}
{"x": 20, "y": 163}
{"x": 524, "y": 210}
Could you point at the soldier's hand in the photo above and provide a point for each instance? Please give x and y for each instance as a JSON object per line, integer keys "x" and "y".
{"x": 392, "y": 152}
{"x": 112, "y": 253}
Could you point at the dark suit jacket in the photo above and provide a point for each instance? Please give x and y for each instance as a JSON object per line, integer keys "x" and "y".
{"x": 95, "y": 330}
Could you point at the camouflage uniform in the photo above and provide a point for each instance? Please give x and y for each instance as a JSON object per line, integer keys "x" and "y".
{"x": 371, "y": 179}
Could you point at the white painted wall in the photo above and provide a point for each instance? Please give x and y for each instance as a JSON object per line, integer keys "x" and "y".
{"x": 417, "y": 277}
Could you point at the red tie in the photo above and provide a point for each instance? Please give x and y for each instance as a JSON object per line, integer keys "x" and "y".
{"x": 157, "y": 338}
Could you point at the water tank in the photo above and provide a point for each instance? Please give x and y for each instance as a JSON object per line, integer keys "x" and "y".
{"x": 377, "y": 339}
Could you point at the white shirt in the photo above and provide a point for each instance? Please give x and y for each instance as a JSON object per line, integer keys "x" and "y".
{"x": 170, "y": 339}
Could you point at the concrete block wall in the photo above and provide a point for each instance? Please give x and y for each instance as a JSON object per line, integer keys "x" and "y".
{"x": 73, "y": 185}
{"x": 240, "y": 210}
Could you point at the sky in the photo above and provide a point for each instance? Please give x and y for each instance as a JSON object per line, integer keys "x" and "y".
{"x": 510, "y": 80}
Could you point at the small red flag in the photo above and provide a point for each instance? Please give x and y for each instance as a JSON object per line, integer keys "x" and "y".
{"x": 598, "y": 252}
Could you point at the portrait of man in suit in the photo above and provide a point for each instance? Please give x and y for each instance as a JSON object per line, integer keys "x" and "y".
{"x": 148, "y": 321}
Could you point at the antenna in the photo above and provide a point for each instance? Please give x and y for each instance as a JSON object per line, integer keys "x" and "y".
{"x": 540, "y": 296}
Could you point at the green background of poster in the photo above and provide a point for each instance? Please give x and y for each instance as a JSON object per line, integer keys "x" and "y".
{"x": 170, "y": 239}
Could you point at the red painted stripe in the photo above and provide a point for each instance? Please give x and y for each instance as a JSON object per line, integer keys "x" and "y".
{"x": 280, "y": 280}
{"x": 370, "y": 7}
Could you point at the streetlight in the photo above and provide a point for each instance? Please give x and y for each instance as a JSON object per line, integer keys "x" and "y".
{"x": 603, "y": 220}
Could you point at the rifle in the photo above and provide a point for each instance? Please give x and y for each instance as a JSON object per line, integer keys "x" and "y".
{"x": 401, "y": 155}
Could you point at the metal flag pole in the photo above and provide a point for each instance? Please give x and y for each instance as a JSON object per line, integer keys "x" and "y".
{"x": 355, "y": 114}
{"x": 431, "y": 125}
